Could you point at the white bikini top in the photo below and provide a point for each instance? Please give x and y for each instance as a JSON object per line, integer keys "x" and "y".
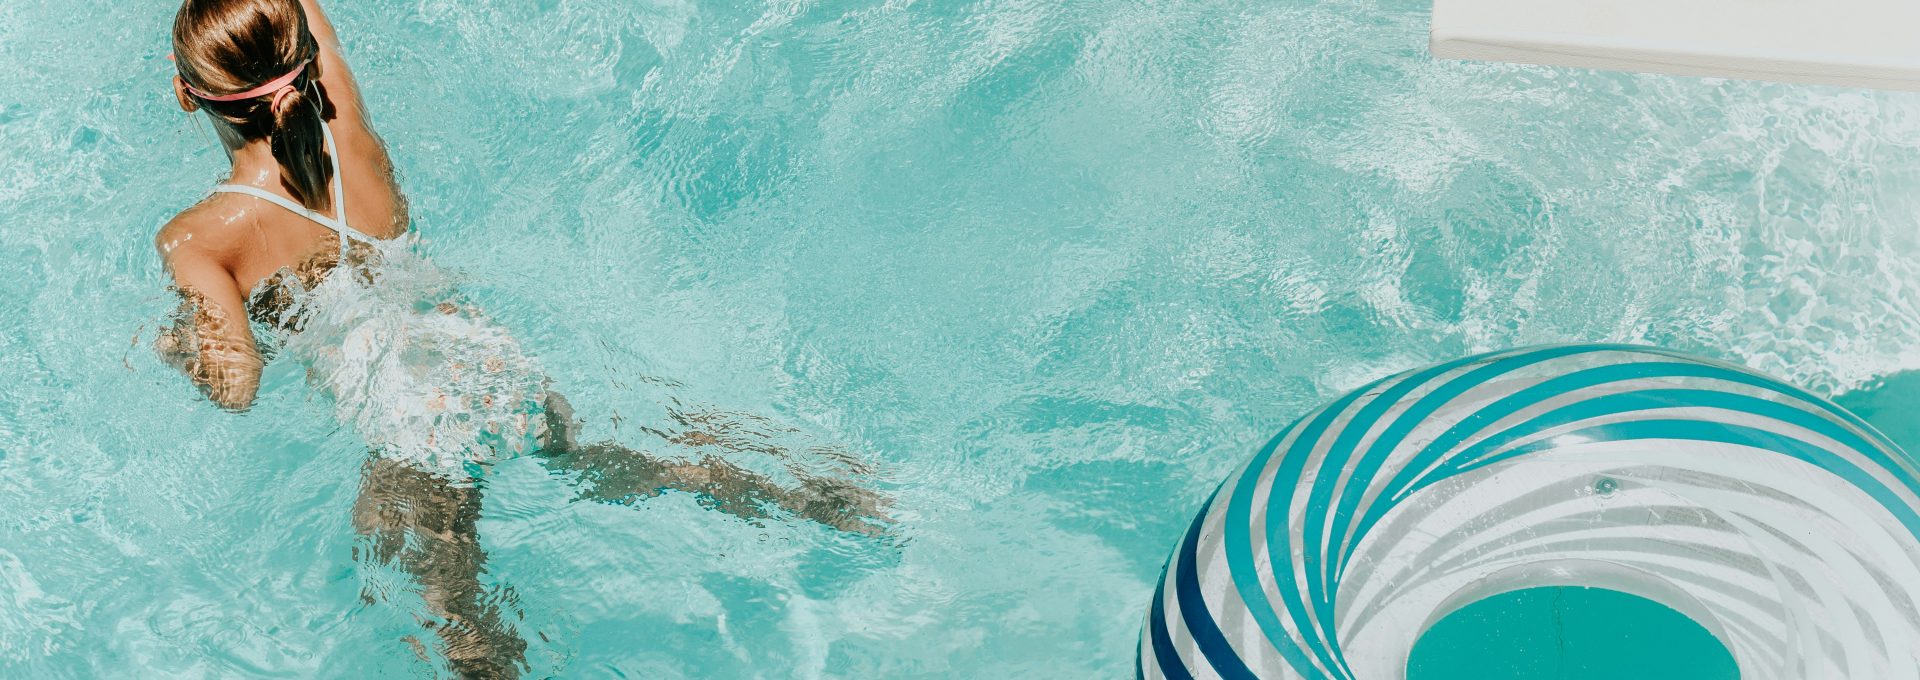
{"x": 339, "y": 226}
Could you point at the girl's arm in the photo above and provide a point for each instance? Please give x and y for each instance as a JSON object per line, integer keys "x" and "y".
{"x": 321, "y": 29}
{"x": 352, "y": 124}
{"x": 334, "y": 74}
{"x": 210, "y": 341}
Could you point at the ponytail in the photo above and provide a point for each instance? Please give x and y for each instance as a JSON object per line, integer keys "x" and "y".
{"x": 299, "y": 144}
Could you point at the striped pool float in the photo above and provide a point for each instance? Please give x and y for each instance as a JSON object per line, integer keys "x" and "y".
{"x": 1787, "y": 527}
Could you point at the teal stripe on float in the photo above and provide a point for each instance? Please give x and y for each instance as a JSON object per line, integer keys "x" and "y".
{"x": 1409, "y": 481}
{"x": 1427, "y": 405}
{"x": 1885, "y": 458}
{"x": 1239, "y": 550}
{"x": 1741, "y": 435}
{"x": 1404, "y": 482}
{"x": 1658, "y": 398}
{"x": 1752, "y": 378}
{"x": 1279, "y": 504}
{"x": 1336, "y": 461}
{"x": 1383, "y": 446}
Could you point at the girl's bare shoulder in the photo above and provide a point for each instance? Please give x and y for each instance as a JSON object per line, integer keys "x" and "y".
{"x": 206, "y": 228}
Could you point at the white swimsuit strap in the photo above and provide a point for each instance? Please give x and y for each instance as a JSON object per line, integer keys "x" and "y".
{"x": 281, "y": 201}
{"x": 339, "y": 226}
{"x": 339, "y": 180}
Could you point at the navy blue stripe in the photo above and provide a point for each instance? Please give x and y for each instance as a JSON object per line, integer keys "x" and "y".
{"x": 1193, "y": 607}
{"x": 1140, "y": 650}
{"x": 1163, "y": 651}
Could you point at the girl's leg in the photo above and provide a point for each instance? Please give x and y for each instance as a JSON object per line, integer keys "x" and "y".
{"x": 426, "y": 526}
{"x": 612, "y": 473}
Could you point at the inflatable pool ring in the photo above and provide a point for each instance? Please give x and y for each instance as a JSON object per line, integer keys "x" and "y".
{"x": 1787, "y": 527}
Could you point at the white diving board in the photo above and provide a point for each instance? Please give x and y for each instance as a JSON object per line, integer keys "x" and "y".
{"x": 1850, "y": 43}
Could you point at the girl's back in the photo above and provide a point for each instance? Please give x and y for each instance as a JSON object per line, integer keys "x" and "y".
{"x": 297, "y": 132}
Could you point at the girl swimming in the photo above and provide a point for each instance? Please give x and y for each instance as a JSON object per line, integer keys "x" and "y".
{"x": 302, "y": 251}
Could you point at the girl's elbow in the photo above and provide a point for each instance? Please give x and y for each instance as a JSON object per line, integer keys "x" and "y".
{"x": 232, "y": 387}
{"x": 234, "y": 402}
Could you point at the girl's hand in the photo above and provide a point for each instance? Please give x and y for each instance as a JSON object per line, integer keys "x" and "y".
{"x": 841, "y": 504}
{"x": 171, "y": 349}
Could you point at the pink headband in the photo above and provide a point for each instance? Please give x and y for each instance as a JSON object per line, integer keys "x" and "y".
{"x": 278, "y": 87}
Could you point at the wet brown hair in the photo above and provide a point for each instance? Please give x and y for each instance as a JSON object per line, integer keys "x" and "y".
{"x": 230, "y": 46}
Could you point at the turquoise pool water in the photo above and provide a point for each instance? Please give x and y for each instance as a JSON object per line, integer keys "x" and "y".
{"x": 1568, "y": 633}
{"x": 1052, "y": 268}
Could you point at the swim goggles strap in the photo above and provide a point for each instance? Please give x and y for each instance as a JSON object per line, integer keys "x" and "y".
{"x": 278, "y": 87}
